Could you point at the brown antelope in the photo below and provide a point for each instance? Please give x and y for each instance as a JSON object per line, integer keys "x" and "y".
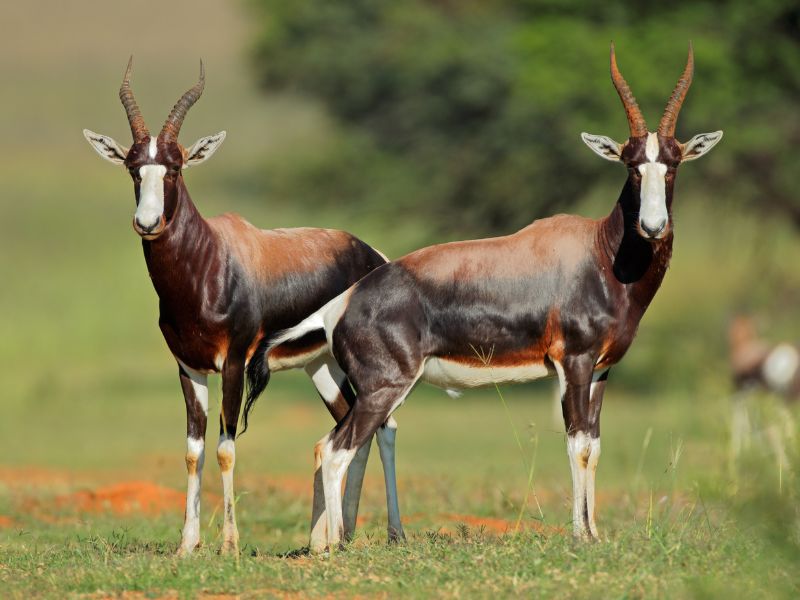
{"x": 758, "y": 364}
{"x": 223, "y": 285}
{"x": 563, "y": 296}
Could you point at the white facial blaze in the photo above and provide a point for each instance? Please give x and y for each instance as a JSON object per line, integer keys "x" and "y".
{"x": 653, "y": 208}
{"x": 152, "y": 150}
{"x": 151, "y": 195}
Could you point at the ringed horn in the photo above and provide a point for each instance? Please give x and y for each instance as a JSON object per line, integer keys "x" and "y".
{"x": 172, "y": 126}
{"x": 635, "y": 118}
{"x": 138, "y": 127}
{"x": 666, "y": 127}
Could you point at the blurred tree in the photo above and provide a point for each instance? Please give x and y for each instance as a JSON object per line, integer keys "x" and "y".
{"x": 470, "y": 110}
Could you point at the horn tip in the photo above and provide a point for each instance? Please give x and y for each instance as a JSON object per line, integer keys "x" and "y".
{"x": 128, "y": 68}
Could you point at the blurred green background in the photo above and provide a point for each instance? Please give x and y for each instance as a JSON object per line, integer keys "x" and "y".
{"x": 406, "y": 123}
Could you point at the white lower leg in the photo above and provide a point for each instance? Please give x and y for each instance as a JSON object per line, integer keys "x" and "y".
{"x": 740, "y": 427}
{"x": 352, "y": 489}
{"x": 334, "y": 466}
{"x": 591, "y": 472}
{"x": 386, "y": 445}
{"x": 195, "y": 456}
{"x": 578, "y": 450}
{"x": 226, "y": 457}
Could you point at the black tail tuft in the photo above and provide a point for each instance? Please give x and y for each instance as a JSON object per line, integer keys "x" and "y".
{"x": 257, "y": 379}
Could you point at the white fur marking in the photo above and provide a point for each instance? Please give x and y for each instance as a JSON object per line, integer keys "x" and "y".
{"x": 562, "y": 379}
{"x": 190, "y": 536}
{"x": 226, "y": 450}
{"x": 334, "y": 465}
{"x": 780, "y": 367}
{"x": 324, "y": 380}
{"x": 653, "y": 206}
{"x": 199, "y": 385}
{"x": 152, "y": 150}
{"x": 591, "y": 470}
{"x": 295, "y": 361}
{"x": 651, "y": 147}
{"x": 151, "y": 195}
{"x": 595, "y": 379}
{"x": 453, "y": 375}
{"x": 577, "y": 445}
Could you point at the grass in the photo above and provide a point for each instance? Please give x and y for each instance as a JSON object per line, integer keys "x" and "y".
{"x": 91, "y": 400}
{"x": 467, "y": 563}
{"x": 673, "y": 522}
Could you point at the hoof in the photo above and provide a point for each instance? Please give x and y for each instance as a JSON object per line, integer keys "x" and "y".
{"x": 229, "y": 548}
{"x": 396, "y": 537}
{"x": 186, "y": 550}
{"x": 317, "y": 546}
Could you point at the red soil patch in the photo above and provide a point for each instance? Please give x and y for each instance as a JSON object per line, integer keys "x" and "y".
{"x": 6, "y": 522}
{"x": 496, "y": 525}
{"x": 125, "y": 498}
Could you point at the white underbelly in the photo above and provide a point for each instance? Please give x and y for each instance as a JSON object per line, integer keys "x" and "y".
{"x": 294, "y": 361}
{"x": 454, "y": 375}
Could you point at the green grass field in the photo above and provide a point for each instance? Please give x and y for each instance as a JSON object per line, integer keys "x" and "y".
{"x": 92, "y": 421}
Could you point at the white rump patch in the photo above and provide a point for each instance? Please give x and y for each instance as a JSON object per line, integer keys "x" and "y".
{"x": 780, "y": 367}
{"x": 151, "y": 195}
{"x": 454, "y": 375}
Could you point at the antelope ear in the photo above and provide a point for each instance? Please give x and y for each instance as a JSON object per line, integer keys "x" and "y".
{"x": 106, "y": 147}
{"x": 699, "y": 145}
{"x": 603, "y": 146}
{"x": 203, "y": 149}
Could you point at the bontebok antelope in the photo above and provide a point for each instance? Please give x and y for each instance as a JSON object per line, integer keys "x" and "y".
{"x": 222, "y": 286}
{"x": 757, "y": 364}
{"x": 562, "y": 297}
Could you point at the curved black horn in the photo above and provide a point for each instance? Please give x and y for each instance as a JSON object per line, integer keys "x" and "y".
{"x": 172, "y": 126}
{"x": 667, "y": 125}
{"x": 635, "y": 118}
{"x": 138, "y": 127}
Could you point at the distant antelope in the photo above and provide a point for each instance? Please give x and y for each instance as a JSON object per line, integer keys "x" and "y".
{"x": 563, "y": 296}
{"x": 223, "y": 285}
{"x": 758, "y": 364}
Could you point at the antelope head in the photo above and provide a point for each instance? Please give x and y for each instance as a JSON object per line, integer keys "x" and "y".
{"x": 652, "y": 158}
{"x": 155, "y": 163}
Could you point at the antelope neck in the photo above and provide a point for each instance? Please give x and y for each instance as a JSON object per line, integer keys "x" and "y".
{"x": 634, "y": 260}
{"x": 177, "y": 254}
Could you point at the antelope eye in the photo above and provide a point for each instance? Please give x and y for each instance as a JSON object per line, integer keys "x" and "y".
{"x": 176, "y": 168}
